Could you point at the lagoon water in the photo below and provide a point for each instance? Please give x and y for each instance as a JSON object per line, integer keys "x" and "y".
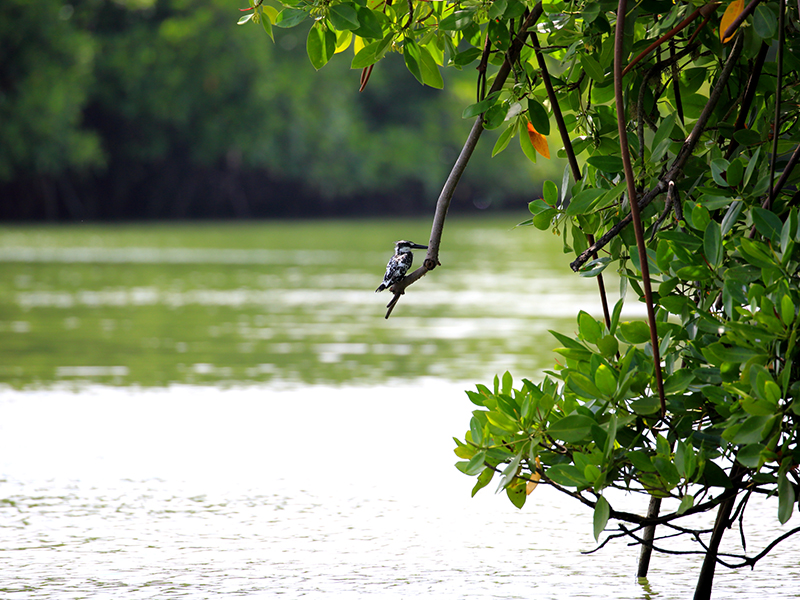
{"x": 222, "y": 411}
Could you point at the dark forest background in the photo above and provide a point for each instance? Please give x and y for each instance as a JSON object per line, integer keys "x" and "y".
{"x": 166, "y": 109}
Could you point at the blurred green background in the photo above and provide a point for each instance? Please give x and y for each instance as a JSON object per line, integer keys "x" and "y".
{"x": 166, "y": 109}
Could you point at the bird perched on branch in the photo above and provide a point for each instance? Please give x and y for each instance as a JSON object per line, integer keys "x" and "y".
{"x": 399, "y": 264}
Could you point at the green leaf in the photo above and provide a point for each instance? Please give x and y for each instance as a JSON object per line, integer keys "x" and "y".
{"x": 733, "y": 354}
{"x": 369, "y": 24}
{"x": 787, "y": 310}
{"x": 661, "y": 140}
{"x": 526, "y": 145}
{"x": 747, "y": 137}
{"x": 712, "y": 244}
{"x": 750, "y": 455}
{"x": 718, "y": 167}
{"x": 605, "y": 379}
{"x": 430, "y": 70}
{"x": 786, "y": 497}
{"x": 735, "y": 172}
{"x": 582, "y": 385}
{"x": 641, "y": 461}
{"x": 572, "y": 429}
{"x": 510, "y": 472}
{"x": 602, "y": 511}
{"x": 320, "y": 44}
{"x": 757, "y": 253}
{"x": 593, "y": 68}
{"x": 368, "y": 55}
{"x": 678, "y": 381}
{"x": 497, "y": 8}
{"x": 476, "y": 431}
{"x": 634, "y": 332}
{"x": 468, "y": 56}
{"x": 646, "y": 406}
{"x": 609, "y": 164}
{"x": 731, "y": 215}
{"x": 550, "y": 193}
{"x": 502, "y": 140}
{"x": 566, "y": 475}
{"x": 751, "y": 431}
{"x": 411, "y": 55}
{"x": 507, "y": 383}
{"x": 568, "y": 342}
{"x": 538, "y": 116}
{"x": 289, "y": 17}
{"x": 583, "y": 201}
{"x": 475, "y": 464}
{"x": 615, "y": 314}
{"x": 589, "y": 327}
{"x": 667, "y": 470}
{"x": 608, "y": 345}
{"x": 687, "y": 501}
{"x": 457, "y": 21}
{"x": 767, "y": 223}
{"x": 765, "y": 23}
{"x": 344, "y": 17}
{"x": 483, "y": 480}
{"x": 473, "y": 110}
{"x": 244, "y": 19}
{"x": 516, "y": 493}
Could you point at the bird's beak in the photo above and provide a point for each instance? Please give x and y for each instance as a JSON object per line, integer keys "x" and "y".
{"x": 419, "y": 246}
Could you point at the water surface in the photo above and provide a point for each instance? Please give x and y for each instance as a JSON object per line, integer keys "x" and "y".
{"x": 221, "y": 410}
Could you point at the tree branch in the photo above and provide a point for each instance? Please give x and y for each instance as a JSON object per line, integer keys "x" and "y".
{"x": 680, "y": 161}
{"x": 446, "y": 195}
{"x": 619, "y": 35}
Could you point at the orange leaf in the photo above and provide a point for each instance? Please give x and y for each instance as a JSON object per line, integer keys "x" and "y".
{"x": 539, "y": 141}
{"x": 734, "y": 9}
{"x": 535, "y": 477}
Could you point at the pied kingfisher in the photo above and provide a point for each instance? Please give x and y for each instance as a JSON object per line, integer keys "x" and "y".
{"x": 399, "y": 264}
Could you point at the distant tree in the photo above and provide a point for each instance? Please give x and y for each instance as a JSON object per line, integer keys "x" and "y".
{"x": 151, "y": 109}
{"x": 686, "y": 124}
{"x": 46, "y": 68}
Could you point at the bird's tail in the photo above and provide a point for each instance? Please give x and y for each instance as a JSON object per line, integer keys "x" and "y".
{"x": 381, "y": 287}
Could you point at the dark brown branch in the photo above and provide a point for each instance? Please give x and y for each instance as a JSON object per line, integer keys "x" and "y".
{"x": 680, "y": 161}
{"x": 619, "y": 36}
{"x": 551, "y": 95}
{"x": 749, "y": 562}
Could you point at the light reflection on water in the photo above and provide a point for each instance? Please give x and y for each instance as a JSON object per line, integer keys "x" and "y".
{"x": 334, "y": 492}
